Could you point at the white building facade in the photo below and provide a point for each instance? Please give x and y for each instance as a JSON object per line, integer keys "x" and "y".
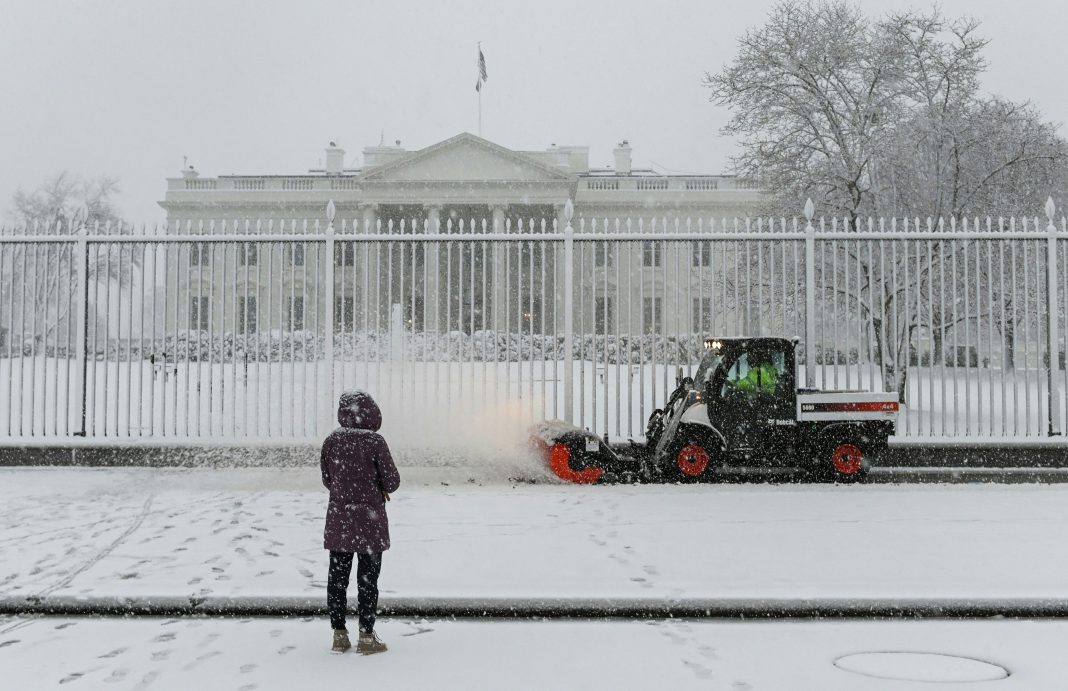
{"x": 464, "y": 186}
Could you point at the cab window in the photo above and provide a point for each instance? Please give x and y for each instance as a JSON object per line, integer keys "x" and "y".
{"x": 738, "y": 374}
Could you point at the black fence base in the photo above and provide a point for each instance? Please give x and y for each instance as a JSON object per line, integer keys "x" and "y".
{"x": 551, "y": 608}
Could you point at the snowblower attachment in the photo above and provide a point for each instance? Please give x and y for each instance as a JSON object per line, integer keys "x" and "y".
{"x": 576, "y": 455}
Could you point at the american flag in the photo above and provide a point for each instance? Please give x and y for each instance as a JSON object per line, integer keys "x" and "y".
{"x": 482, "y": 76}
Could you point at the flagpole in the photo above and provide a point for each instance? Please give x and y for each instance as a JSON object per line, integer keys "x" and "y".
{"x": 480, "y": 89}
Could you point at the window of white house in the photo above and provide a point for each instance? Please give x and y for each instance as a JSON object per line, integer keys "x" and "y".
{"x": 199, "y": 311}
{"x": 200, "y": 254}
{"x": 604, "y": 317}
{"x": 603, "y": 254}
{"x": 344, "y": 312}
{"x": 345, "y": 253}
{"x": 652, "y": 315}
{"x": 702, "y": 314}
{"x": 295, "y": 252}
{"x": 650, "y": 253}
{"x": 248, "y": 254}
{"x": 246, "y": 314}
{"x": 296, "y": 313}
{"x": 702, "y": 253}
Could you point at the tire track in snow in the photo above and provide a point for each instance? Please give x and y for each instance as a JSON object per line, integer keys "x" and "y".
{"x": 99, "y": 556}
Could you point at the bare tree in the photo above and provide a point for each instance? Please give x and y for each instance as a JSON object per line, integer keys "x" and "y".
{"x": 41, "y": 278}
{"x": 884, "y": 117}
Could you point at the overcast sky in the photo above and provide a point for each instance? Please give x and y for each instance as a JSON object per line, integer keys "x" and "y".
{"x": 126, "y": 88}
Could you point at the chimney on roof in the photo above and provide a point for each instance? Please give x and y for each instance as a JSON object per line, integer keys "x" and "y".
{"x": 622, "y": 154}
{"x": 190, "y": 173}
{"x": 335, "y": 159}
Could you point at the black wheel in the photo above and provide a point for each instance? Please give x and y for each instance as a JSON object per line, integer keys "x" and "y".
{"x": 843, "y": 461}
{"x": 689, "y": 462}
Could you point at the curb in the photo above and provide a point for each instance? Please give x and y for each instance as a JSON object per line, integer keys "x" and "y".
{"x": 552, "y": 608}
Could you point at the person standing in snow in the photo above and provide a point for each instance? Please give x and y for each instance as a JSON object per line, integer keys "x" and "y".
{"x": 359, "y": 471}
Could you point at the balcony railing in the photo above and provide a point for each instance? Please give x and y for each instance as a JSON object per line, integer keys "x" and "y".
{"x": 265, "y": 183}
{"x": 702, "y": 183}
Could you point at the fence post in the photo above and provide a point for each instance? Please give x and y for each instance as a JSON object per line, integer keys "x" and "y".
{"x": 1053, "y": 339}
{"x": 810, "y": 296}
{"x": 327, "y": 397}
{"x": 82, "y": 328}
{"x": 569, "y": 312}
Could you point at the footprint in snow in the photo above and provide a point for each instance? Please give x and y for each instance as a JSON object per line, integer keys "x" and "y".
{"x": 13, "y": 641}
{"x": 160, "y": 655}
{"x": 200, "y": 658}
{"x": 146, "y": 681}
{"x": 245, "y": 669}
{"x": 699, "y": 670}
{"x": 113, "y": 653}
{"x": 164, "y": 637}
{"x": 207, "y": 640}
{"x": 275, "y": 633}
{"x": 286, "y": 649}
{"x": 117, "y": 675}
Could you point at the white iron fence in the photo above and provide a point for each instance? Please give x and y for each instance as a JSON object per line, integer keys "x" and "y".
{"x": 250, "y": 332}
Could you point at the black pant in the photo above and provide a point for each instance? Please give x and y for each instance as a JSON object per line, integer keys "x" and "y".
{"x": 337, "y": 586}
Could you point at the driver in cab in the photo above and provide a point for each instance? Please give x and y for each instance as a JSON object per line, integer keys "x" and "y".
{"x": 761, "y": 378}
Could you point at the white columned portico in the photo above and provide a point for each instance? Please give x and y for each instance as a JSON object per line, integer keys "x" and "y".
{"x": 432, "y": 294}
{"x": 558, "y": 266}
{"x": 500, "y": 275}
{"x": 368, "y": 258}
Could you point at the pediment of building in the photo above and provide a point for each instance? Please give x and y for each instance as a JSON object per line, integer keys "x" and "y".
{"x": 465, "y": 158}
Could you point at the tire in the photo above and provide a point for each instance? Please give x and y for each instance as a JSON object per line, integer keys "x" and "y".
{"x": 690, "y": 462}
{"x": 843, "y": 461}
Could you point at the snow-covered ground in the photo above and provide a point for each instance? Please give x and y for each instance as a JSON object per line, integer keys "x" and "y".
{"x": 457, "y": 533}
{"x": 273, "y": 654}
{"x": 258, "y": 532}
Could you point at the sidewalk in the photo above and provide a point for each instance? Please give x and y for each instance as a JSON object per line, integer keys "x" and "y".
{"x": 138, "y": 532}
{"x": 275, "y": 655}
{"x": 248, "y": 534}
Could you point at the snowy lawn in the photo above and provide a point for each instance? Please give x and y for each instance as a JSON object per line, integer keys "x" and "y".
{"x": 270, "y": 654}
{"x": 258, "y": 532}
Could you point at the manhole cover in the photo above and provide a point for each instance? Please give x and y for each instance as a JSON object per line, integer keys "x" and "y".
{"x": 929, "y": 667}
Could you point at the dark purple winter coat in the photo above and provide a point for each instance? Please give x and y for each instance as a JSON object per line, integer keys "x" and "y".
{"x": 357, "y": 469}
